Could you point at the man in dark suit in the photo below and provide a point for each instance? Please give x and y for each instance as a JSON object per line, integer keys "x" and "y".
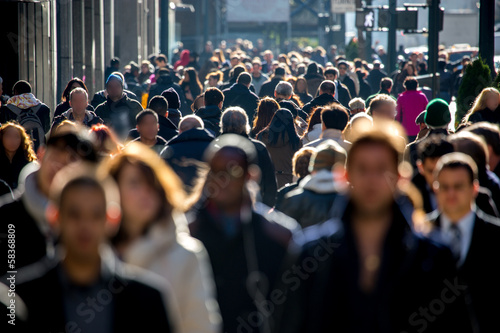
{"x": 240, "y": 95}
{"x": 365, "y": 270}
{"x": 88, "y": 289}
{"x": 326, "y": 96}
{"x": 471, "y": 235}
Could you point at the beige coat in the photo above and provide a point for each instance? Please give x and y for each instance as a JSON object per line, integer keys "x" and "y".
{"x": 168, "y": 250}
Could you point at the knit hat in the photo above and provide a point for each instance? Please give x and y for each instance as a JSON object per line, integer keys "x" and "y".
{"x": 437, "y": 113}
{"x": 172, "y": 98}
{"x": 114, "y": 77}
{"x": 327, "y": 155}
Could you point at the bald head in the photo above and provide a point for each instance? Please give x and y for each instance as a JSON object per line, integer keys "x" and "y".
{"x": 190, "y": 122}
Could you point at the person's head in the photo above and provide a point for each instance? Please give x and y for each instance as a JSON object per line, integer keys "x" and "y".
{"x": 145, "y": 67}
{"x": 327, "y": 87}
{"x": 268, "y": 56}
{"x": 78, "y": 100}
{"x": 235, "y": 120}
{"x": 85, "y": 208}
{"x": 115, "y": 63}
{"x": 114, "y": 86}
{"x": 279, "y": 72}
{"x": 198, "y": 103}
{"x": 382, "y": 107}
{"x": 489, "y": 98}
{"x": 301, "y": 160}
{"x": 282, "y": 128}
{"x": 214, "y": 78}
{"x": 21, "y": 87}
{"x": 189, "y": 122}
{"x": 213, "y": 96}
{"x": 386, "y": 84}
{"x": 314, "y": 118}
{"x": 429, "y": 151}
{"x": 410, "y": 69}
{"x": 357, "y": 105}
{"x": 256, "y": 66}
{"x": 301, "y": 85}
{"x": 410, "y": 83}
{"x": 343, "y": 67}
{"x": 456, "y": 185}
{"x": 265, "y": 112}
{"x": 73, "y": 84}
{"x": 147, "y": 124}
{"x": 491, "y": 135}
{"x": 472, "y": 145}
{"x": 14, "y": 141}
{"x": 107, "y": 144}
{"x": 161, "y": 61}
{"x": 283, "y": 90}
{"x": 331, "y": 73}
{"x": 232, "y": 160}
{"x": 334, "y": 117}
{"x": 234, "y": 59}
{"x": 437, "y": 114}
{"x": 245, "y": 79}
{"x": 63, "y": 148}
{"x": 150, "y": 190}
{"x": 173, "y": 100}
{"x": 159, "y": 105}
{"x": 328, "y": 155}
{"x": 372, "y": 171}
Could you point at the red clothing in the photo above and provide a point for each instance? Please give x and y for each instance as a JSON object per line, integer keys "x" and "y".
{"x": 184, "y": 61}
{"x": 410, "y": 104}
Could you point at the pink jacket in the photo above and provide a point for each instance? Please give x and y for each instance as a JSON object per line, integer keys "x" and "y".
{"x": 410, "y": 104}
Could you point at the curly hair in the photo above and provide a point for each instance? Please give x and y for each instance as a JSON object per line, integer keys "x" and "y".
{"x": 26, "y": 146}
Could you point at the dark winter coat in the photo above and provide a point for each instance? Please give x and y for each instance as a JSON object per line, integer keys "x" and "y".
{"x": 321, "y": 100}
{"x": 167, "y": 129}
{"x": 211, "y": 118}
{"x": 64, "y": 106}
{"x": 240, "y": 95}
{"x": 119, "y": 115}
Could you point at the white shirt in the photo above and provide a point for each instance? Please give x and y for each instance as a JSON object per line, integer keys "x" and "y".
{"x": 466, "y": 227}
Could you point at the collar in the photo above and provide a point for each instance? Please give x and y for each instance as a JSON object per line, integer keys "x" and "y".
{"x": 331, "y": 133}
{"x": 69, "y": 115}
{"x": 466, "y": 224}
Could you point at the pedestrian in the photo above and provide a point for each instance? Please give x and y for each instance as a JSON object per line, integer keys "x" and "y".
{"x": 174, "y": 105}
{"x": 334, "y": 120}
{"x": 410, "y": 104}
{"x": 357, "y": 105}
{"x": 326, "y": 96}
{"x": 240, "y": 95}
{"x": 265, "y": 112}
{"x": 314, "y": 126}
{"x": 212, "y": 111}
{"x": 147, "y": 127}
{"x": 486, "y": 107}
{"x": 78, "y": 111}
{"x": 267, "y": 89}
{"x": 65, "y": 105}
{"x": 190, "y": 85}
{"x": 302, "y": 91}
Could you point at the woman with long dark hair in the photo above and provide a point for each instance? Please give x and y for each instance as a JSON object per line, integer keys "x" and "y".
{"x": 282, "y": 141}
{"x": 314, "y": 126}
{"x": 265, "y": 112}
{"x": 191, "y": 85}
{"x": 300, "y": 90}
{"x": 16, "y": 150}
{"x": 64, "y": 105}
{"x": 154, "y": 235}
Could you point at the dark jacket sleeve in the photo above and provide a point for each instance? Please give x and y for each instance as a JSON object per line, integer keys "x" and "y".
{"x": 269, "y": 186}
{"x": 44, "y": 116}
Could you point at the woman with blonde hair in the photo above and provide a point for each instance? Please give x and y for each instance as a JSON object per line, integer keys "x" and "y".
{"x": 486, "y": 107}
{"x": 16, "y": 150}
{"x": 154, "y": 235}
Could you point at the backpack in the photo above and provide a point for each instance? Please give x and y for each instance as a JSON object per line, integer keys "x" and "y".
{"x": 31, "y": 123}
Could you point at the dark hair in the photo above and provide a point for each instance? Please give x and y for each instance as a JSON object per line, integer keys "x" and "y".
{"x": 457, "y": 161}
{"x": 343, "y": 63}
{"x": 236, "y": 71}
{"x": 301, "y": 161}
{"x": 472, "y": 145}
{"x": 301, "y": 78}
{"x": 314, "y": 118}
{"x": 114, "y": 61}
{"x": 332, "y": 70}
{"x": 82, "y": 181}
{"x": 194, "y": 83}
{"x": 265, "y": 112}
{"x": 282, "y": 127}
{"x": 335, "y": 116}
{"x": 386, "y": 83}
{"x": 244, "y": 78}
{"x": 78, "y": 141}
{"x": 433, "y": 146}
{"x": 172, "y": 97}
{"x": 410, "y": 83}
{"x": 21, "y": 87}
{"x": 327, "y": 87}
{"x": 67, "y": 90}
{"x": 489, "y": 132}
{"x": 140, "y": 116}
{"x": 378, "y": 138}
{"x": 161, "y": 57}
{"x": 159, "y": 105}
{"x": 213, "y": 96}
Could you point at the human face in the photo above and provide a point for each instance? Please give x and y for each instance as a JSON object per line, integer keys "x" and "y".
{"x": 301, "y": 86}
{"x": 78, "y": 103}
{"x": 373, "y": 176}
{"x": 385, "y": 111}
{"x": 426, "y": 169}
{"x": 144, "y": 69}
{"x": 54, "y": 159}
{"x": 82, "y": 221}
{"x": 212, "y": 82}
{"x": 226, "y": 180}
{"x": 148, "y": 128}
{"x": 455, "y": 192}
{"x": 11, "y": 139}
{"x": 114, "y": 89}
{"x": 330, "y": 77}
{"x": 141, "y": 203}
{"x": 492, "y": 101}
{"x": 256, "y": 68}
{"x": 234, "y": 61}
{"x": 343, "y": 70}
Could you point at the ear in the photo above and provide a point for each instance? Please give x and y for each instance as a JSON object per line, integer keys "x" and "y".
{"x": 70, "y": 104}
{"x": 41, "y": 153}
{"x": 475, "y": 184}
{"x": 420, "y": 167}
{"x": 52, "y": 216}
{"x": 166, "y": 114}
{"x": 254, "y": 173}
{"x": 113, "y": 217}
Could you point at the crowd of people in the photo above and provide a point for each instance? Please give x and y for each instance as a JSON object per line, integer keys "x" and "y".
{"x": 304, "y": 194}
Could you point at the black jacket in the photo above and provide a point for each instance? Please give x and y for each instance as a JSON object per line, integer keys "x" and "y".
{"x": 411, "y": 153}
{"x": 184, "y": 153}
{"x": 99, "y": 98}
{"x": 167, "y": 129}
{"x": 163, "y": 83}
{"x": 9, "y": 171}
{"x": 413, "y": 273}
{"x": 119, "y": 115}
{"x": 211, "y": 118}
{"x": 282, "y": 192}
{"x": 90, "y": 119}
{"x": 263, "y": 239}
{"x": 344, "y": 96}
{"x": 240, "y": 95}
{"x": 321, "y": 100}
{"x": 480, "y": 270}
{"x": 64, "y": 106}
{"x": 39, "y": 286}
{"x": 486, "y": 115}
{"x": 374, "y": 78}
{"x": 349, "y": 83}
{"x": 267, "y": 89}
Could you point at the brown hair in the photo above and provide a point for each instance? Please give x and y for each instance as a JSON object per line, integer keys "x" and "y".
{"x": 26, "y": 146}
{"x": 265, "y": 112}
{"x": 301, "y": 161}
